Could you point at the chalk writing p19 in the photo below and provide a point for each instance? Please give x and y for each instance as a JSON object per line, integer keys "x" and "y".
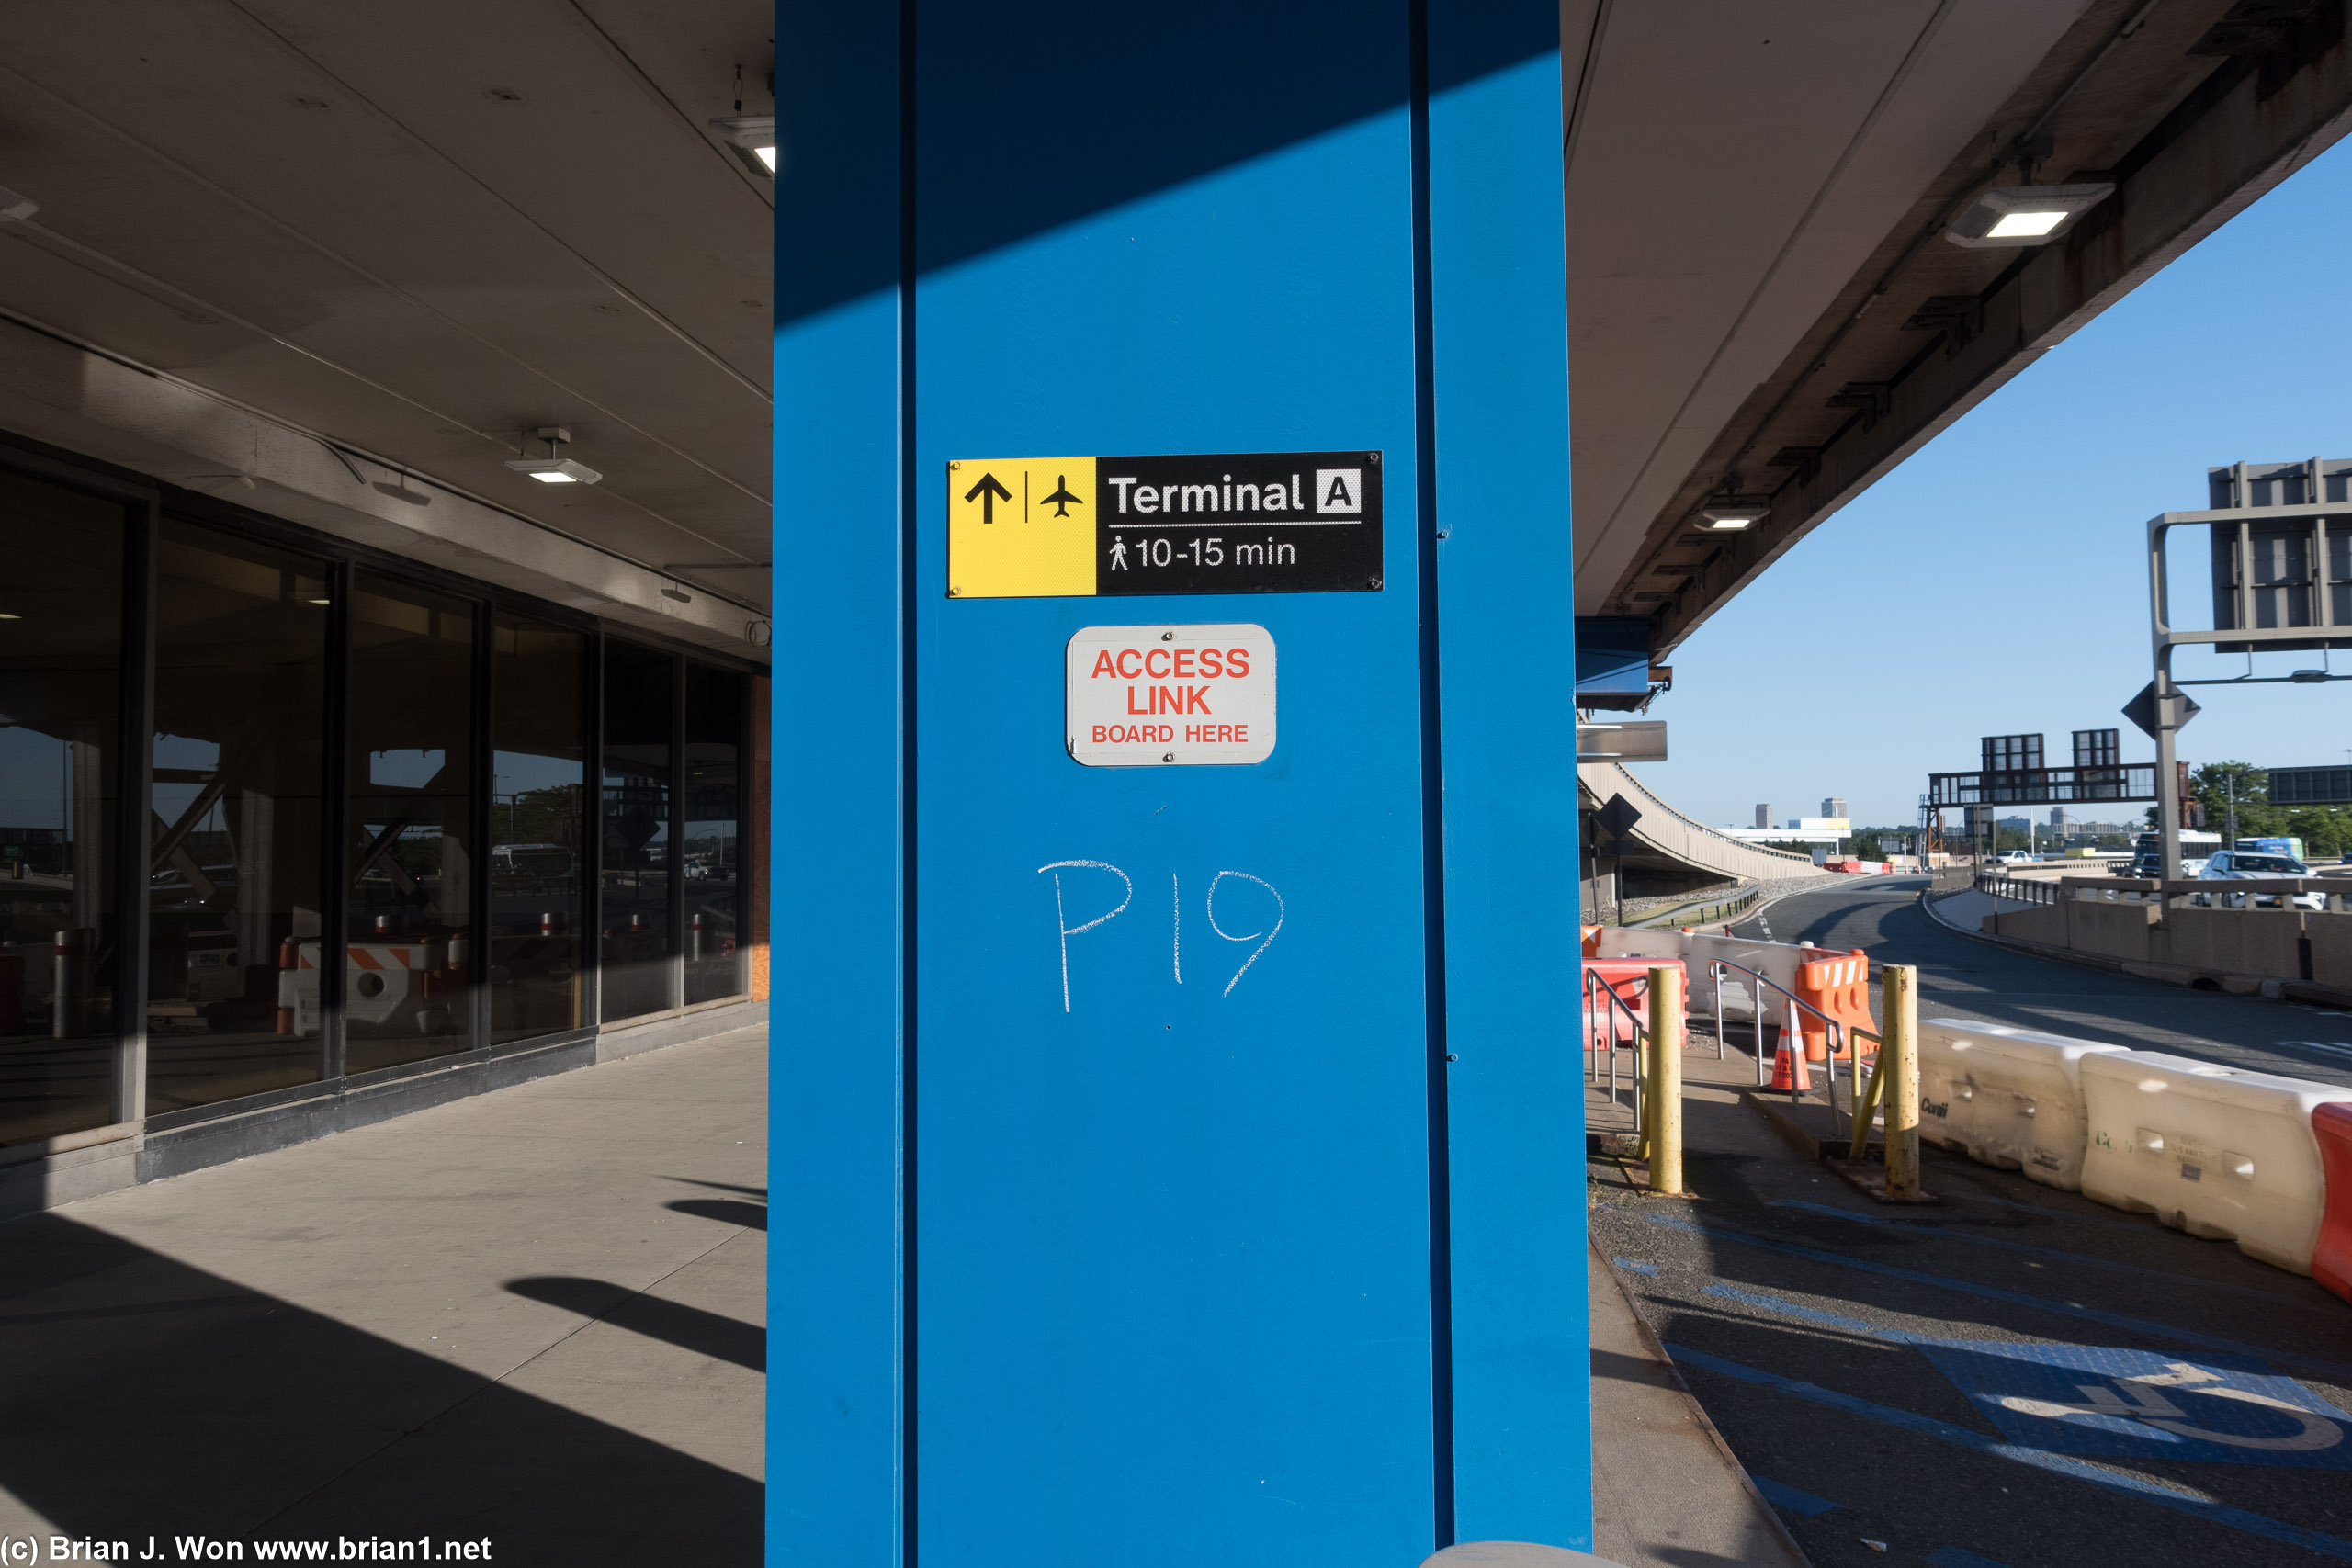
{"x": 1264, "y": 937}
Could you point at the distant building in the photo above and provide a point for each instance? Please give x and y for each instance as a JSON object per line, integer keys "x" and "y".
{"x": 1763, "y": 817}
{"x": 1833, "y": 807}
{"x": 2058, "y": 819}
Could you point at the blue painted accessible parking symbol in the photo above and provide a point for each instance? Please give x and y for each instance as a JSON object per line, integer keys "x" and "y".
{"x": 2115, "y": 1404}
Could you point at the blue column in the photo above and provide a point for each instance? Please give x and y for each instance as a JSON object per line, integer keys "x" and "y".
{"x": 1173, "y": 1165}
{"x": 1521, "y": 1393}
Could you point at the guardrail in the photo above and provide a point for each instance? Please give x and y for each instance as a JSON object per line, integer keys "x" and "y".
{"x": 1704, "y": 914}
{"x": 2024, "y": 890}
{"x": 2173, "y": 892}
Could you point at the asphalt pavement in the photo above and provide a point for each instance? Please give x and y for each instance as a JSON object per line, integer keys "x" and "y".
{"x": 1963, "y": 977}
{"x": 2016, "y": 1376}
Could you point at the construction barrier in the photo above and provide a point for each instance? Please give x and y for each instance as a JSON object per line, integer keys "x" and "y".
{"x": 1777, "y": 962}
{"x": 1592, "y": 940}
{"x": 2218, "y": 1152}
{"x": 1630, "y": 979}
{"x": 1626, "y": 941}
{"x": 2005, "y": 1097}
{"x": 1840, "y": 987}
{"x": 2332, "y": 1253}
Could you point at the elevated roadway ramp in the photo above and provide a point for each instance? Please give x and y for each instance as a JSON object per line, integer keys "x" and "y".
{"x": 1669, "y": 853}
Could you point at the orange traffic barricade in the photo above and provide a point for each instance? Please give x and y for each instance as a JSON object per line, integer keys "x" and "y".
{"x": 1840, "y": 987}
{"x": 2332, "y": 1253}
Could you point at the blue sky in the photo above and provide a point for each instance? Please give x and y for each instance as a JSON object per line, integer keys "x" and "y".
{"x": 1993, "y": 583}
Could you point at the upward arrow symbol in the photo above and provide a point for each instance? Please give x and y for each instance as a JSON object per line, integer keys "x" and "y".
{"x": 987, "y": 492}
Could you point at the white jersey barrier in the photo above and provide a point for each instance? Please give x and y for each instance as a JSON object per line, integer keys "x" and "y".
{"x": 2218, "y": 1152}
{"x": 2005, "y": 1097}
{"x": 1776, "y": 961}
{"x": 1626, "y": 942}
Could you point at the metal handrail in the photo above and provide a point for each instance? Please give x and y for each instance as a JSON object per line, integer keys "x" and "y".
{"x": 1839, "y": 1037}
{"x": 1641, "y": 1031}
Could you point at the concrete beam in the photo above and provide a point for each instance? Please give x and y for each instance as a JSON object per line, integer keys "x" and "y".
{"x": 147, "y": 421}
{"x": 2249, "y": 126}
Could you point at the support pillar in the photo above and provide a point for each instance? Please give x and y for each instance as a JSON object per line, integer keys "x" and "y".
{"x": 1174, "y": 1163}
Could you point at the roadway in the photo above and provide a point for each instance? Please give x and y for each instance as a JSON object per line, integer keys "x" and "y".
{"x": 1963, "y": 1385}
{"x": 1962, "y": 977}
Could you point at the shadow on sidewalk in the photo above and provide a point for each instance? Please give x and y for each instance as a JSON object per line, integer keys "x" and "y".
{"x": 139, "y": 1396}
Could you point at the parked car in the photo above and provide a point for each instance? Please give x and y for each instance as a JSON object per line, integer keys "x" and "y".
{"x": 2013, "y": 857}
{"x": 2243, "y": 865}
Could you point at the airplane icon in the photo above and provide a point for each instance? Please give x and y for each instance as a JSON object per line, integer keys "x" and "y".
{"x": 1062, "y": 495}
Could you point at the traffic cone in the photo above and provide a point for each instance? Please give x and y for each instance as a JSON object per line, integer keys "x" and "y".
{"x": 1788, "y": 1065}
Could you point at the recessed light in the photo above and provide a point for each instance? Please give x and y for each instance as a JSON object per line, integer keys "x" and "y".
{"x": 2023, "y": 215}
{"x": 554, "y": 471}
{"x": 10, "y": 616}
{"x": 318, "y": 601}
{"x": 1730, "y": 519}
{"x": 752, "y": 138}
{"x": 2025, "y": 225}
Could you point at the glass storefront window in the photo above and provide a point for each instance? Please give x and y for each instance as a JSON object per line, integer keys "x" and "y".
{"x": 241, "y": 647}
{"x": 711, "y": 854}
{"x": 538, "y": 826}
{"x": 410, "y": 881}
{"x": 61, "y": 684}
{"x": 640, "y": 705}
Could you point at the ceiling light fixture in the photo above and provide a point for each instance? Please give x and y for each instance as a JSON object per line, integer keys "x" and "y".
{"x": 553, "y": 469}
{"x": 1728, "y": 517}
{"x": 2010, "y": 216}
{"x": 13, "y": 207}
{"x": 751, "y": 137}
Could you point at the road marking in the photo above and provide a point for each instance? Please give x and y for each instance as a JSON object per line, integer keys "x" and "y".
{"x": 2321, "y": 1045}
{"x": 1960, "y": 1437}
{"x": 2335, "y": 1369}
{"x": 1790, "y": 1500}
{"x": 2121, "y": 1399}
{"x": 2083, "y": 1258}
{"x": 1636, "y": 1266}
{"x": 1953, "y": 1557}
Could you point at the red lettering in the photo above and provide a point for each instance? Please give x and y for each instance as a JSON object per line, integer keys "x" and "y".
{"x": 1167, "y": 700}
{"x": 1131, "y": 701}
{"x": 1196, "y": 700}
{"x": 1209, "y": 663}
{"x": 1103, "y": 665}
{"x": 1100, "y": 735}
{"x": 1159, "y": 673}
{"x": 1236, "y": 662}
{"x": 1125, "y": 654}
{"x": 1242, "y": 734}
{"x": 1183, "y": 663}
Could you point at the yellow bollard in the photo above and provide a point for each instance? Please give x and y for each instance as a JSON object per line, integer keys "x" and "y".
{"x": 1663, "y": 1110}
{"x": 1899, "y": 1063}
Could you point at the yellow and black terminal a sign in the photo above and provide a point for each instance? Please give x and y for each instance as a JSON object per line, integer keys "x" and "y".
{"x": 1236, "y": 523}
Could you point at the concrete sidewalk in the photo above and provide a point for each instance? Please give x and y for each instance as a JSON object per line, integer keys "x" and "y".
{"x": 1667, "y": 1491}
{"x": 535, "y": 1317}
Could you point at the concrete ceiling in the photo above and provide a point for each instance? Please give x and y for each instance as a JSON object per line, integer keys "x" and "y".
{"x": 1756, "y": 197}
{"x": 415, "y": 228}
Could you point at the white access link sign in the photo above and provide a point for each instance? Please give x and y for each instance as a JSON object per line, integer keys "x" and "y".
{"x": 1169, "y": 697}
